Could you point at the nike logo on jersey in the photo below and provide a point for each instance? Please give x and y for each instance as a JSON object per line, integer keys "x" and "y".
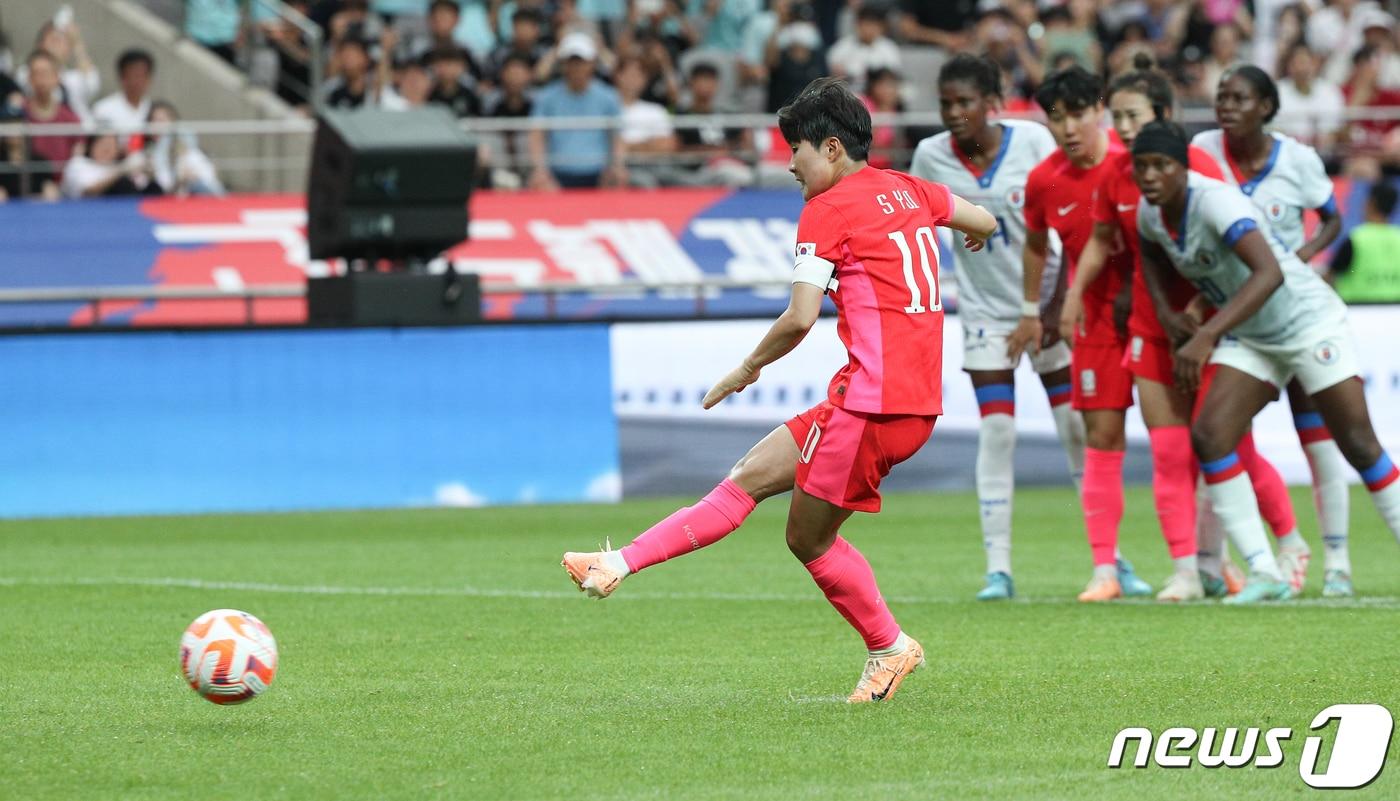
{"x": 1063, "y": 210}
{"x": 1126, "y": 207}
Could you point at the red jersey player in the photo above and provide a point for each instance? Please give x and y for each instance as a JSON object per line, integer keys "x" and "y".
{"x": 1135, "y": 99}
{"x": 866, "y": 236}
{"x": 1060, "y": 195}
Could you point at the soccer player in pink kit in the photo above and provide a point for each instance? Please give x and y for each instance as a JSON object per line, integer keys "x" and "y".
{"x": 866, "y": 236}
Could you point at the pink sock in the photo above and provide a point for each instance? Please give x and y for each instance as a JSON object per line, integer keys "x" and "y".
{"x": 849, "y": 583}
{"x": 1174, "y": 487}
{"x": 691, "y": 528}
{"x": 1103, "y": 502}
{"x": 1274, "y": 504}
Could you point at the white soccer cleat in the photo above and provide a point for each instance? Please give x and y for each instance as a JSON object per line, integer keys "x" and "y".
{"x": 1182, "y": 587}
{"x": 1293, "y": 564}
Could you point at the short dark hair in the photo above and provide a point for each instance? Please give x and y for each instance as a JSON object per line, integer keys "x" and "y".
{"x": 980, "y": 71}
{"x": 873, "y": 12}
{"x": 518, "y": 58}
{"x": 877, "y": 74}
{"x": 525, "y": 15}
{"x": 1259, "y": 81}
{"x": 452, "y": 4}
{"x": 1146, "y": 81}
{"x": 43, "y": 55}
{"x": 704, "y": 68}
{"x": 445, "y": 53}
{"x": 135, "y": 56}
{"x": 1383, "y": 197}
{"x": 1074, "y": 87}
{"x": 827, "y": 108}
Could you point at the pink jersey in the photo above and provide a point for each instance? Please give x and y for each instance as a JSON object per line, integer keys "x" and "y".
{"x": 876, "y": 231}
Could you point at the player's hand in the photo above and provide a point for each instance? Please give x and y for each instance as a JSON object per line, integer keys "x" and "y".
{"x": 1123, "y": 309}
{"x": 1025, "y": 337}
{"x": 1071, "y": 316}
{"x": 972, "y": 243}
{"x": 1180, "y": 327}
{"x": 735, "y": 381}
{"x": 1191, "y": 360}
{"x": 1197, "y": 309}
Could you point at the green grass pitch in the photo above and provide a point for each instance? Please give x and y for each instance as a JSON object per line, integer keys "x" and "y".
{"x": 444, "y": 654}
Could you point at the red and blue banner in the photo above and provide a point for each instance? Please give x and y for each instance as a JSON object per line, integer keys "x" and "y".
{"x": 526, "y": 239}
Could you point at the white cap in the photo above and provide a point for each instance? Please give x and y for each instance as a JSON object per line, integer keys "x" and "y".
{"x": 1376, "y": 18}
{"x": 578, "y": 45}
{"x": 802, "y": 34}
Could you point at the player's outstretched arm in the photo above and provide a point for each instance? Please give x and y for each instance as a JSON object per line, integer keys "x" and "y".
{"x": 1029, "y": 330}
{"x": 804, "y": 307}
{"x": 971, "y": 219}
{"x": 1328, "y": 229}
{"x": 1087, "y": 270}
{"x": 1265, "y": 276}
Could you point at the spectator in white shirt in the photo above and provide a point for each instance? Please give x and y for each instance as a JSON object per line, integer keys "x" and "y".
{"x": 646, "y": 126}
{"x": 868, "y": 48}
{"x": 1310, "y": 106}
{"x": 78, "y": 77}
{"x": 1336, "y": 31}
{"x": 100, "y": 169}
{"x": 126, "y": 111}
{"x": 177, "y": 164}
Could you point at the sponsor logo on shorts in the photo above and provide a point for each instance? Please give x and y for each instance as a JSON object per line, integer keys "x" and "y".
{"x": 1135, "y": 348}
{"x": 1326, "y": 353}
{"x": 1360, "y": 747}
{"x": 1016, "y": 197}
{"x": 806, "y": 248}
{"x": 1088, "y": 383}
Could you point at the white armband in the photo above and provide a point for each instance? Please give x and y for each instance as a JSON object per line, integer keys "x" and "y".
{"x": 816, "y": 271}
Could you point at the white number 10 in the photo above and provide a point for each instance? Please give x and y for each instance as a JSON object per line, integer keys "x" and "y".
{"x": 926, "y": 241}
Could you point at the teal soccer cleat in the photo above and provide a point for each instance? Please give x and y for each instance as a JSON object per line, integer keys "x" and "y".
{"x": 1132, "y": 584}
{"x": 1261, "y": 588}
{"x": 1336, "y": 584}
{"x": 1214, "y": 586}
{"x": 999, "y": 587}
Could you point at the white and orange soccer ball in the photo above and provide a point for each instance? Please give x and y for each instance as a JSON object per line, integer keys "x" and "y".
{"x": 228, "y": 656}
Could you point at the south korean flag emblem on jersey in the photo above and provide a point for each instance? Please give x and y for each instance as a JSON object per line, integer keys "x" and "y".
{"x": 1274, "y": 212}
{"x": 806, "y": 249}
{"x": 1016, "y": 197}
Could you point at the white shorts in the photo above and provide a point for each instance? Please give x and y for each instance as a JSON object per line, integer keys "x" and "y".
{"x": 984, "y": 349}
{"x": 1320, "y": 358}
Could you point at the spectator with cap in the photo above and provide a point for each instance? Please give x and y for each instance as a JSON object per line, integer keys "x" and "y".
{"x": 452, "y": 87}
{"x": 574, "y": 157}
{"x": 1378, "y": 31}
{"x": 864, "y": 49}
{"x": 795, "y": 59}
{"x": 126, "y": 110}
{"x": 1365, "y": 269}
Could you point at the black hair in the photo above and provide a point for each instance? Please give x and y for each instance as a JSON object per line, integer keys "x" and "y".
{"x": 135, "y": 56}
{"x": 1362, "y": 53}
{"x": 445, "y": 53}
{"x": 526, "y": 15}
{"x": 46, "y": 56}
{"x": 877, "y": 74}
{"x": 1074, "y": 87}
{"x": 872, "y": 11}
{"x": 517, "y": 58}
{"x": 1259, "y": 81}
{"x": 1146, "y": 81}
{"x": 452, "y": 4}
{"x": 1164, "y": 137}
{"x": 827, "y": 108}
{"x": 1383, "y": 198}
{"x": 703, "y": 68}
{"x": 980, "y": 71}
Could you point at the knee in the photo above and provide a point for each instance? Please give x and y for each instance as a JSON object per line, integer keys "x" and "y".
{"x": 801, "y": 546}
{"x": 1106, "y": 440}
{"x": 1358, "y": 444}
{"x": 758, "y": 481}
{"x": 1208, "y": 440}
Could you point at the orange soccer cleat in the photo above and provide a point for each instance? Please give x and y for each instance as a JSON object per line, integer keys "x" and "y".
{"x": 1101, "y": 589}
{"x": 1233, "y": 575}
{"x": 592, "y": 574}
{"x": 883, "y": 674}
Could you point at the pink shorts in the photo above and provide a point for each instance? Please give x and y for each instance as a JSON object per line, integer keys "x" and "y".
{"x": 1100, "y": 381}
{"x": 845, "y": 455}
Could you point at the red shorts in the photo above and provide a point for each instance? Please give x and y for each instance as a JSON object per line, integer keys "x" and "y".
{"x": 1150, "y": 358}
{"x": 1100, "y": 381}
{"x": 845, "y": 455}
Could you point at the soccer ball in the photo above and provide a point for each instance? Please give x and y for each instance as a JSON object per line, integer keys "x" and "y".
{"x": 228, "y": 656}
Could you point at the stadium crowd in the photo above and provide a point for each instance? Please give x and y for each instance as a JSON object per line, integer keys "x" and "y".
{"x": 643, "y": 61}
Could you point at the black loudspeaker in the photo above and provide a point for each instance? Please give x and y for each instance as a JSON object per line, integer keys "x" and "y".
{"x": 388, "y": 184}
{"x": 379, "y": 299}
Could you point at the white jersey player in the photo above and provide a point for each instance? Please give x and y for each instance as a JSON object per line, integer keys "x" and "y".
{"x": 1276, "y": 320}
{"x": 987, "y": 161}
{"x": 1283, "y": 178}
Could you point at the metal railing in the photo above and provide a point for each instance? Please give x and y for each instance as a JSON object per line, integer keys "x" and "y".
{"x": 495, "y": 131}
